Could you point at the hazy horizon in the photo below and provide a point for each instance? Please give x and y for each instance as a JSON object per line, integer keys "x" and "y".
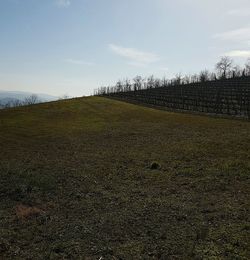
{"x": 70, "y": 47}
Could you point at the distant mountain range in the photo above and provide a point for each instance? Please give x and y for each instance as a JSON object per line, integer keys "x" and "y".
{"x": 10, "y": 96}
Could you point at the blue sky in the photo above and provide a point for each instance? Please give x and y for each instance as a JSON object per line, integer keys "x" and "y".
{"x": 73, "y": 46}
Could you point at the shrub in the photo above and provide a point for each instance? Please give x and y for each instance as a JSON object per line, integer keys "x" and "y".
{"x": 155, "y": 166}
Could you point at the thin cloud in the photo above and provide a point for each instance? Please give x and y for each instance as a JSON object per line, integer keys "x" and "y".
{"x": 238, "y": 53}
{"x": 241, "y": 34}
{"x": 137, "y": 64}
{"x": 164, "y": 69}
{"x": 239, "y": 12}
{"x": 135, "y": 57}
{"x": 79, "y": 62}
{"x": 63, "y": 3}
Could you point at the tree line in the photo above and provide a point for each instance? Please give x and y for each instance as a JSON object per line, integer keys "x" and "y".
{"x": 29, "y": 100}
{"x": 225, "y": 68}
{"x": 13, "y": 102}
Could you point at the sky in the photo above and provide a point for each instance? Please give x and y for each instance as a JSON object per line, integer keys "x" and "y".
{"x": 71, "y": 47}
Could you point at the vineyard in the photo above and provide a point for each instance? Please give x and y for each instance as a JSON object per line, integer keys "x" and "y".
{"x": 221, "y": 97}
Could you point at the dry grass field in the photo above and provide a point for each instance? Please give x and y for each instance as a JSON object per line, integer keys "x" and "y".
{"x": 94, "y": 178}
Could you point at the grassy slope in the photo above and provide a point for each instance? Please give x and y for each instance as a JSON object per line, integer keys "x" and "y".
{"x": 82, "y": 167}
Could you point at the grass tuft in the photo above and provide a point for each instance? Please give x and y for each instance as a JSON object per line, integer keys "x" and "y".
{"x": 155, "y": 166}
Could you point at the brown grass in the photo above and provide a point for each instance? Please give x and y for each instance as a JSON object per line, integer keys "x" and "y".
{"x": 79, "y": 171}
{"x": 25, "y": 212}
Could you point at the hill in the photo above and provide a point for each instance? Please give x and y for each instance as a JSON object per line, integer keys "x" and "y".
{"x": 11, "y": 96}
{"x": 95, "y": 178}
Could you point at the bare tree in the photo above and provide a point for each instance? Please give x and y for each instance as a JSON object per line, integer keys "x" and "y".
{"x": 247, "y": 67}
{"x": 150, "y": 81}
{"x": 127, "y": 85}
{"x": 17, "y": 103}
{"x": 213, "y": 76}
{"x": 164, "y": 82}
{"x": 177, "y": 79}
{"x": 224, "y": 66}
{"x": 31, "y": 100}
{"x": 204, "y": 76}
{"x": 187, "y": 79}
{"x": 138, "y": 82}
{"x": 237, "y": 71}
{"x": 119, "y": 86}
{"x": 194, "y": 78}
{"x": 157, "y": 83}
